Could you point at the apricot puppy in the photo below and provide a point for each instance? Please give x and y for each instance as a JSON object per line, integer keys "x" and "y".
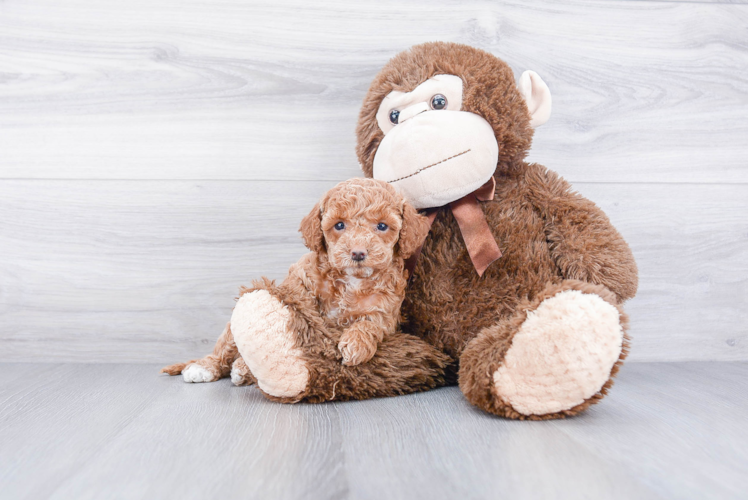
{"x": 354, "y": 269}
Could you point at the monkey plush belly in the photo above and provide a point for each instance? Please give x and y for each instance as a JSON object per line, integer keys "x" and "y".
{"x": 447, "y": 303}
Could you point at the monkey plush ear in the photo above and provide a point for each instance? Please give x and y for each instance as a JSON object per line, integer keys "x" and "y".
{"x": 414, "y": 231}
{"x": 311, "y": 230}
{"x": 537, "y": 96}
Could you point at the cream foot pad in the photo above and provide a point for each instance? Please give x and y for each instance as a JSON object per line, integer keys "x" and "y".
{"x": 260, "y": 327}
{"x": 562, "y": 354}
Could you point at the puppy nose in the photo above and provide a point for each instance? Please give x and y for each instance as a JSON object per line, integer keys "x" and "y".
{"x": 358, "y": 255}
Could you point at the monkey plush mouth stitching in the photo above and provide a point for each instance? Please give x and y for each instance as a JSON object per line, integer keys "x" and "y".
{"x": 432, "y": 165}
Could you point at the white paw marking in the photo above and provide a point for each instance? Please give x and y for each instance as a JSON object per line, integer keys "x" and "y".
{"x": 197, "y": 374}
{"x": 562, "y": 354}
{"x": 260, "y": 327}
{"x": 236, "y": 377}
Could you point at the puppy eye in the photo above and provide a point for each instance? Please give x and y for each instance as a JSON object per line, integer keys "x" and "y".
{"x": 382, "y": 226}
{"x": 438, "y": 102}
{"x": 340, "y": 226}
{"x": 394, "y": 116}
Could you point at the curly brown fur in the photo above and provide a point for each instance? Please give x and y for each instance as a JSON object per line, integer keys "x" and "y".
{"x": 546, "y": 232}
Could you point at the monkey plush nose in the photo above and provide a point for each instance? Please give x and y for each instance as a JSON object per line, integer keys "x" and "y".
{"x": 358, "y": 255}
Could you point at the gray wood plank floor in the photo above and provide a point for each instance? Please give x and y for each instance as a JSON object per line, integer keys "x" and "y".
{"x": 74, "y": 431}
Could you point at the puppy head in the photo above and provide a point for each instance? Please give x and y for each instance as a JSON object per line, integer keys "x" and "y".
{"x": 362, "y": 224}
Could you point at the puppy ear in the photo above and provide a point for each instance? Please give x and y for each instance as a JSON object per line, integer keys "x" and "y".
{"x": 414, "y": 231}
{"x": 311, "y": 229}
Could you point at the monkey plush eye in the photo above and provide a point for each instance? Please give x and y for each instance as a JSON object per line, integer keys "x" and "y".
{"x": 340, "y": 226}
{"x": 394, "y": 116}
{"x": 438, "y": 102}
{"x": 382, "y": 226}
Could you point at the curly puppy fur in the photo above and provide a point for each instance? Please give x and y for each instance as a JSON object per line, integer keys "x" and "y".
{"x": 547, "y": 233}
{"x": 345, "y": 299}
{"x": 360, "y": 219}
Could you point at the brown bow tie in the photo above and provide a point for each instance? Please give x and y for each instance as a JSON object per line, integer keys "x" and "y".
{"x": 480, "y": 243}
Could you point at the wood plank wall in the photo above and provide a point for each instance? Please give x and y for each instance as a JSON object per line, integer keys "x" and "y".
{"x": 154, "y": 154}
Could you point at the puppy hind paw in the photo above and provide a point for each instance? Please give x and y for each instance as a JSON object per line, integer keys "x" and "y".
{"x": 196, "y": 374}
{"x": 240, "y": 374}
{"x": 236, "y": 377}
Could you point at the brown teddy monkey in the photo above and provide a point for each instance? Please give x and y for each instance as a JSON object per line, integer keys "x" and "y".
{"x": 521, "y": 280}
{"x": 517, "y": 292}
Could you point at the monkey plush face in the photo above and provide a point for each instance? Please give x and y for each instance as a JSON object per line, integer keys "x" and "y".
{"x": 440, "y": 119}
{"x": 433, "y": 152}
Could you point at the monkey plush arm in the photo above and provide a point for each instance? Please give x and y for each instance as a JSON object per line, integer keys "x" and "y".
{"x": 583, "y": 242}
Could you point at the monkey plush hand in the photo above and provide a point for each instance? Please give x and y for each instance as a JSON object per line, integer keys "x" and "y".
{"x": 521, "y": 281}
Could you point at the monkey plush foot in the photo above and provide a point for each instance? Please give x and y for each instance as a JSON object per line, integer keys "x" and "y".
{"x": 262, "y": 332}
{"x": 562, "y": 354}
{"x": 554, "y": 358}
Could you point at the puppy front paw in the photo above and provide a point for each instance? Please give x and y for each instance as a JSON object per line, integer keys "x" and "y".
{"x": 357, "y": 346}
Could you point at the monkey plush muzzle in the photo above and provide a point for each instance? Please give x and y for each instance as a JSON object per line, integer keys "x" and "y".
{"x": 436, "y": 157}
